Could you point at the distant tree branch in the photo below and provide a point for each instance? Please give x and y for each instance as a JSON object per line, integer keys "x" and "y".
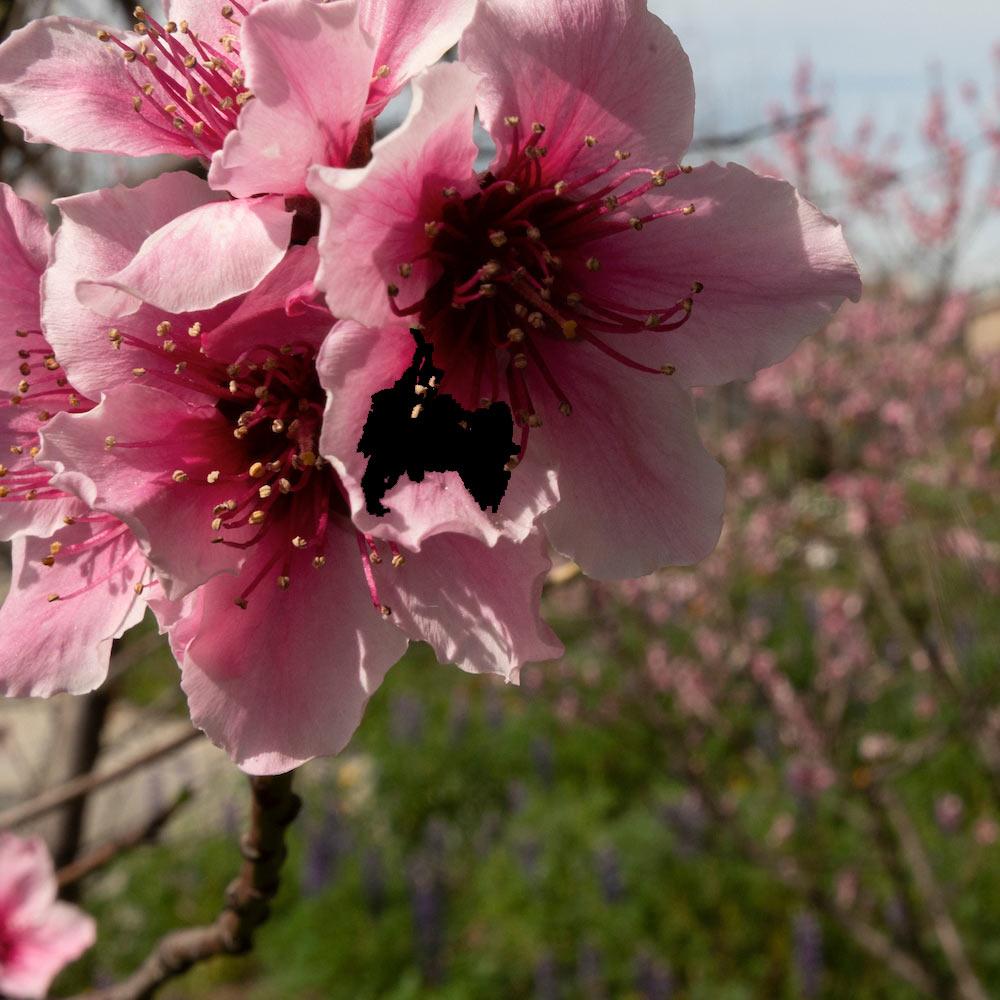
{"x": 103, "y": 855}
{"x": 785, "y": 123}
{"x": 53, "y": 798}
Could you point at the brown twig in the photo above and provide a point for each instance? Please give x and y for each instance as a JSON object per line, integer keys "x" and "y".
{"x": 53, "y": 798}
{"x": 248, "y": 898}
{"x": 786, "y": 123}
{"x": 106, "y": 853}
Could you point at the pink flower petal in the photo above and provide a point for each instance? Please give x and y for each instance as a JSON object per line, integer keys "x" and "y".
{"x": 171, "y": 520}
{"x": 385, "y": 206}
{"x": 775, "y": 269}
{"x": 62, "y": 85}
{"x": 64, "y": 645}
{"x": 27, "y": 886}
{"x": 205, "y": 16}
{"x": 638, "y": 489}
{"x": 408, "y": 38}
{"x": 43, "y": 950}
{"x": 309, "y": 66}
{"x": 602, "y": 68}
{"x": 276, "y": 304}
{"x": 449, "y": 595}
{"x": 197, "y": 260}
{"x": 287, "y": 679}
{"x": 24, "y": 246}
{"x": 357, "y": 362}
{"x": 101, "y": 232}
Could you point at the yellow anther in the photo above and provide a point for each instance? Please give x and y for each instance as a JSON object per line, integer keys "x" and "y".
{"x": 697, "y": 288}
{"x": 515, "y": 335}
{"x": 622, "y": 154}
{"x": 284, "y": 582}
{"x": 521, "y": 361}
{"x": 668, "y": 369}
{"x": 52, "y": 598}
{"x": 416, "y": 411}
{"x": 382, "y": 72}
{"x": 397, "y": 560}
{"x": 256, "y": 470}
{"x": 179, "y": 476}
{"x": 257, "y": 517}
{"x": 570, "y": 328}
{"x": 214, "y": 476}
{"x": 405, "y": 270}
{"x": 319, "y": 562}
{"x": 194, "y": 330}
{"x": 565, "y": 409}
{"x": 512, "y": 120}
{"x": 498, "y": 238}
{"x": 636, "y": 223}
{"x": 689, "y": 209}
{"x": 431, "y": 229}
{"x": 264, "y": 492}
{"x": 299, "y": 542}
{"x": 308, "y": 458}
{"x": 593, "y": 264}
{"x": 138, "y": 372}
{"x": 110, "y": 442}
{"x": 560, "y": 188}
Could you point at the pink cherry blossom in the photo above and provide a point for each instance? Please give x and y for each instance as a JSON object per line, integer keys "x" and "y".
{"x": 39, "y": 935}
{"x": 206, "y": 443}
{"x": 588, "y": 278}
{"x": 77, "y": 573}
{"x": 262, "y": 90}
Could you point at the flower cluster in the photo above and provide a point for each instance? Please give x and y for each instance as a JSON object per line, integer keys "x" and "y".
{"x": 345, "y": 394}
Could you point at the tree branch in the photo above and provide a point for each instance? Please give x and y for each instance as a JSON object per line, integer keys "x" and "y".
{"x": 53, "y": 798}
{"x": 248, "y": 898}
{"x": 100, "y": 857}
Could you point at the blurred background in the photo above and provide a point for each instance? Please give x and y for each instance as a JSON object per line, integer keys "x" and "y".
{"x": 774, "y": 775}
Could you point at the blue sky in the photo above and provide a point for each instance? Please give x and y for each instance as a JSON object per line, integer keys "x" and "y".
{"x": 873, "y": 56}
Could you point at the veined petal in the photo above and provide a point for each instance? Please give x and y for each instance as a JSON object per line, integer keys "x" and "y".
{"x": 385, "y": 206}
{"x": 288, "y": 678}
{"x": 478, "y": 607}
{"x": 638, "y": 489}
{"x": 24, "y": 245}
{"x": 603, "y": 68}
{"x": 197, "y": 260}
{"x": 309, "y": 66}
{"x": 62, "y": 85}
{"x": 774, "y": 270}
{"x": 408, "y": 38}
{"x": 59, "y": 621}
{"x": 100, "y": 234}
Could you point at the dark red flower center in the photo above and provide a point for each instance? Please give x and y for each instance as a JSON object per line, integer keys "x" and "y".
{"x": 513, "y": 261}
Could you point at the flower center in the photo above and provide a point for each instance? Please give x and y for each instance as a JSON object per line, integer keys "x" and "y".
{"x": 284, "y": 497}
{"x": 184, "y": 83}
{"x": 521, "y": 262}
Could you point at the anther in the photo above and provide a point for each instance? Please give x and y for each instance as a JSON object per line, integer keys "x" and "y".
{"x": 560, "y": 188}
{"x": 299, "y": 542}
{"x": 498, "y": 238}
{"x": 52, "y": 598}
{"x": 256, "y": 470}
{"x": 405, "y": 270}
{"x": 319, "y": 562}
{"x": 689, "y": 210}
{"x": 697, "y": 288}
{"x": 431, "y": 229}
{"x": 194, "y": 330}
{"x": 515, "y": 335}
{"x": 284, "y": 582}
{"x": 593, "y": 264}
{"x": 520, "y": 361}
{"x": 213, "y": 476}
{"x": 589, "y": 141}
{"x": 565, "y": 409}
{"x": 569, "y": 329}
{"x": 179, "y": 476}
{"x": 668, "y": 369}
{"x": 257, "y": 517}
{"x": 512, "y": 120}
{"x": 110, "y": 442}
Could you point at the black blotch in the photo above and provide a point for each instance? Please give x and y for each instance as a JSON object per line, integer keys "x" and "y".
{"x": 442, "y": 437}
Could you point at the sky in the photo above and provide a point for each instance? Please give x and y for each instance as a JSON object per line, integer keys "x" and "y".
{"x": 872, "y": 57}
{"x": 877, "y": 54}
